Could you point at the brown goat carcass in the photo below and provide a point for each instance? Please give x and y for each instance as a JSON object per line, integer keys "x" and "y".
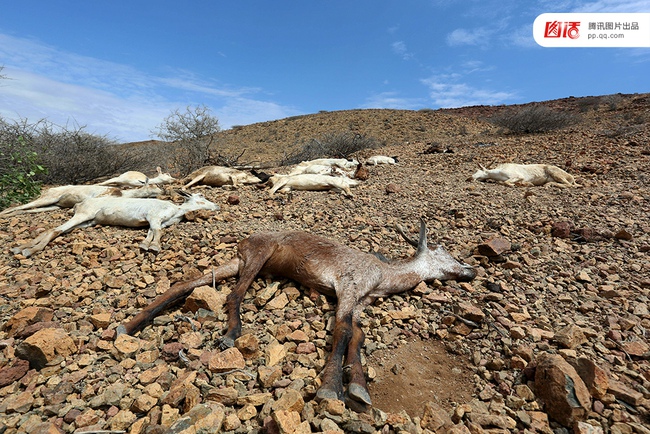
{"x": 355, "y": 278}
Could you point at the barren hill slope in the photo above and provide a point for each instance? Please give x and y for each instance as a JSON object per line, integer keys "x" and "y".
{"x": 267, "y": 142}
{"x": 571, "y": 282}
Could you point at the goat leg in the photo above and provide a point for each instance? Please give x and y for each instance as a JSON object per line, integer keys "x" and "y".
{"x": 357, "y": 389}
{"x": 152, "y": 242}
{"x": 144, "y": 245}
{"x": 332, "y": 374}
{"x": 176, "y": 293}
{"x": 250, "y": 261}
{"x": 40, "y": 202}
{"x": 234, "y": 301}
{"x": 38, "y": 244}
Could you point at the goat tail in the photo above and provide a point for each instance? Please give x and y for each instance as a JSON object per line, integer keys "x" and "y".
{"x": 175, "y": 294}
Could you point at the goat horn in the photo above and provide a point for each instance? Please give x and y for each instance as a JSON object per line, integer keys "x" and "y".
{"x": 481, "y": 166}
{"x": 411, "y": 241}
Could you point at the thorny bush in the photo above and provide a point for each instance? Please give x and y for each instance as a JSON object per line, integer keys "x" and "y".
{"x": 533, "y": 119}
{"x": 334, "y": 145}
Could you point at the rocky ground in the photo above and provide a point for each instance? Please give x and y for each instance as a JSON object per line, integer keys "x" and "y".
{"x": 551, "y": 335}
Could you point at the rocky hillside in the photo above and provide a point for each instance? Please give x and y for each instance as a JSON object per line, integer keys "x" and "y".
{"x": 550, "y": 336}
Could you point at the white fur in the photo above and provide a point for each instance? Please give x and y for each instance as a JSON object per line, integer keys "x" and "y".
{"x": 218, "y": 176}
{"x": 341, "y": 163}
{"x": 526, "y": 175}
{"x": 323, "y": 169}
{"x": 118, "y": 211}
{"x": 380, "y": 159}
{"x": 67, "y": 196}
{"x": 312, "y": 182}
{"x": 137, "y": 179}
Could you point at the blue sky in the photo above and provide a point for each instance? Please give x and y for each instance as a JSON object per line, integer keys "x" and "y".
{"x": 120, "y": 67}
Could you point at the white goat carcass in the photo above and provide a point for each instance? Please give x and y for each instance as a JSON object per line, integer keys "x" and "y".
{"x": 526, "y": 175}
{"x": 312, "y": 182}
{"x": 217, "y": 176}
{"x": 136, "y": 179}
{"x": 323, "y": 169}
{"x": 380, "y": 159}
{"x": 341, "y": 163}
{"x": 67, "y": 196}
{"x": 119, "y": 211}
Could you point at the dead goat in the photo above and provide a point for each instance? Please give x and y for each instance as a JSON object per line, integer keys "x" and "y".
{"x": 312, "y": 182}
{"x": 340, "y": 163}
{"x": 355, "y": 278}
{"x": 380, "y": 159}
{"x": 218, "y": 176}
{"x": 133, "y": 178}
{"x": 119, "y": 211}
{"x": 67, "y": 196}
{"x": 526, "y": 175}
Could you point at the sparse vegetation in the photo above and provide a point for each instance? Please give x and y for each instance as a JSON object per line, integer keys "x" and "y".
{"x": 18, "y": 164}
{"x": 19, "y": 167}
{"x": 33, "y": 153}
{"x": 613, "y": 101}
{"x": 337, "y": 145}
{"x": 588, "y": 103}
{"x": 533, "y": 119}
{"x": 74, "y": 156}
{"x": 193, "y": 132}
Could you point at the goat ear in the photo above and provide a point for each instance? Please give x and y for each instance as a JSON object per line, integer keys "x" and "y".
{"x": 146, "y": 180}
{"x": 159, "y": 170}
{"x": 422, "y": 242}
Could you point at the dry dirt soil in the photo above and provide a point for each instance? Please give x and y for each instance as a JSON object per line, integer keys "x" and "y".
{"x": 416, "y": 350}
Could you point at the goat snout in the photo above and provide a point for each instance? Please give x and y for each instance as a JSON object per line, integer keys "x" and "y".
{"x": 467, "y": 274}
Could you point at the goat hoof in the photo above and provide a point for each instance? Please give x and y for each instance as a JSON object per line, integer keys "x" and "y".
{"x": 324, "y": 393}
{"x": 359, "y": 393}
{"x": 226, "y": 342}
{"x": 357, "y": 406}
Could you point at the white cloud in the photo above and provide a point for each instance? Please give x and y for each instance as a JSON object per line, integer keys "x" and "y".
{"x": 399, "y": 48}
{"x": 522, "y": 36}
{"x": 31, "y": 96}
{"x": 479, "y": 36}
{"x": 113, "y": 99}
{"x": 446, "y": 91}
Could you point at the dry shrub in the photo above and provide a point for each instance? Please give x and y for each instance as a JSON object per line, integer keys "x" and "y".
{"x": 331, "y": 145}
{"x": 193, "y": 132}
{"x": 533, "y": 119}
{"x": 73, "y": 156}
